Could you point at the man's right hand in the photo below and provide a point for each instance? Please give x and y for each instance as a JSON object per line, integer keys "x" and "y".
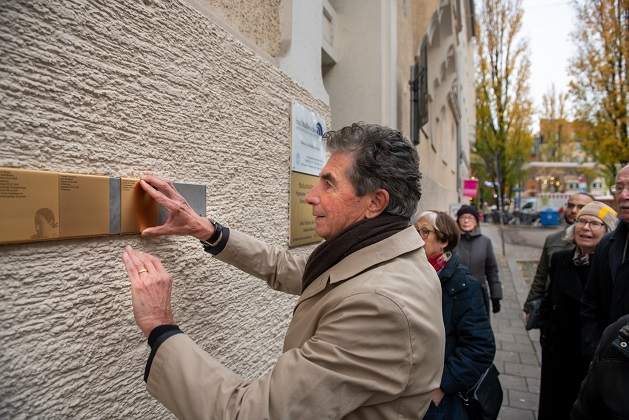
{"x": 182, "y": 219}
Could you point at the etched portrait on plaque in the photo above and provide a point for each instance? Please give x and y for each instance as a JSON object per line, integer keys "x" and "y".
{"x": 29, "y": 205}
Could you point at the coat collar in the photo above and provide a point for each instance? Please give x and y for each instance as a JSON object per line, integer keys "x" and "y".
{"x": 450, "y": 268}
{"x": 402, "y": 242}
{"x": 472, "y": 234}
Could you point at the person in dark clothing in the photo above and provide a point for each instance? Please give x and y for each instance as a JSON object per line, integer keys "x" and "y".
{"x": 470, "y": 343}
{"x": 606, "y": 294}
{"x": 563, "y": 364}
{"x": 553, "y": 243}
{"x": 477, "y": 253}
{"x": 603, "y": 394}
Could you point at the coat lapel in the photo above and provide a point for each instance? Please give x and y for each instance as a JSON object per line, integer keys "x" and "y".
{"x": 402, "y": 242}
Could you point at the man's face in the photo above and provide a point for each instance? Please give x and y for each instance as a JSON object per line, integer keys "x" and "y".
{"x": 622, "y": 197}
{"x": 334, "y": 202}
{"x": 575, "y": 203}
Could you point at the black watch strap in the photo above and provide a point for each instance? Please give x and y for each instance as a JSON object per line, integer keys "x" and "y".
{"x": 218, "y": 229}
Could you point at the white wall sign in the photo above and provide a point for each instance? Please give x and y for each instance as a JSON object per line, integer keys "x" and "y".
{"x": 308, "y": 150}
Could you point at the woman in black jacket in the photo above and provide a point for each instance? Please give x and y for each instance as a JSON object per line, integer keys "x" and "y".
{"x": 470, "y": 344}
{"x": 563, "y": 364}
{"x": 477, "y": 253}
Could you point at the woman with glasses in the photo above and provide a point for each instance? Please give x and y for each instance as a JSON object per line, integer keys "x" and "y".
{"x": 477, "y": 253}
{"x": 563, "y": 364}
{"x": 470, "y": 344}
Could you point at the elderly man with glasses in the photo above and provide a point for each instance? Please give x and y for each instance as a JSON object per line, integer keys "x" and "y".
{"x": 553, "y": 243}
{"x": 606, "y": 294}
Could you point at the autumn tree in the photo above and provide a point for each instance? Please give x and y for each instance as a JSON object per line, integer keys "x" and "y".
{"x": 554, "y": 127}
{"x": 600, "y": 85}
{"x": 503, "y": 106}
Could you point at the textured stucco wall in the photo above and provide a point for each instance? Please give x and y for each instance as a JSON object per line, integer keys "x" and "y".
{"x": 123, "y": 88}
{"x": 257, "y": 20}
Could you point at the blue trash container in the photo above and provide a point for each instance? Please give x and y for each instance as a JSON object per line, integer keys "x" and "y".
{"x": 549, "y": 217}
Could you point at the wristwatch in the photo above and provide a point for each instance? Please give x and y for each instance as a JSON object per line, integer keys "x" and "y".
{"x": 218, "y": 229}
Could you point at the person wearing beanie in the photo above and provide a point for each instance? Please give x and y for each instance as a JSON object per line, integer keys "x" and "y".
{"x": 553, "y": 243}
{"x": 477, "y": 253}
{"x": 606, "y": 295}
{"x": 563, "y": 364}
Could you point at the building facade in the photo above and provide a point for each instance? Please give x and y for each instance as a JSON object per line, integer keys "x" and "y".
{"x": 200, "y": 92}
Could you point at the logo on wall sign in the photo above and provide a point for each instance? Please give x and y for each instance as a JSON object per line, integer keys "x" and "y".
{"x": 319, "y": 129}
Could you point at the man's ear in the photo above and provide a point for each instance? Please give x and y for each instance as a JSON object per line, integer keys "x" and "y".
{"x": 379, "y": 203}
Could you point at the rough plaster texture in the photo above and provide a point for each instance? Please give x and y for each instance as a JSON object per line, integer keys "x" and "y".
{"x": 258, "y": 21}
{"x": 123, "y": 88}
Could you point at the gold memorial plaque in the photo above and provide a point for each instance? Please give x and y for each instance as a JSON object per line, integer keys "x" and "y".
{"x": 301, "y": 226}
{"x": 83, "y": 205}
{"x": 40, "y": 206}
{"x": 138, "y": 210}
{"x": 29, "y": 205}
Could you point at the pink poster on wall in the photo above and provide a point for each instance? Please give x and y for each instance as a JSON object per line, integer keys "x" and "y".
{"x": 469, "y": 187}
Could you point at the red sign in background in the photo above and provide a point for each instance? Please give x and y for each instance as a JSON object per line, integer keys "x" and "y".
{"x": 470, "y": 187}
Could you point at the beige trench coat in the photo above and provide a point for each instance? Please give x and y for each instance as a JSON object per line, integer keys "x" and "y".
{"x": 366, "y": 341}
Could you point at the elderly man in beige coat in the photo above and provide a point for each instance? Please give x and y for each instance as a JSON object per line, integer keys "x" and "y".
{"x": 366, "y": 339}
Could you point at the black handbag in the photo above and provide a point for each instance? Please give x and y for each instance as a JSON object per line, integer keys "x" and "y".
{"x": 533, "y": 321}
{"x": 483, "y": 400}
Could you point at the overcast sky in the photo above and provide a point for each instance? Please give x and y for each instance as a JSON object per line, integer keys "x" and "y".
{"x": 547, "y": 24}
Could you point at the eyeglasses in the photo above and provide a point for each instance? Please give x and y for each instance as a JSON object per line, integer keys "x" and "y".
{"x": 618, "y": 188}
{"x": 423, "y": 232}
{"x": 467, "y": 218}
{"x": 570, "y": 206}
{"x": 595, "y": 226}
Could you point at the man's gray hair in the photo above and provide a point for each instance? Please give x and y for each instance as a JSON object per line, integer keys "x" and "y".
{"x": 383, "y": 159}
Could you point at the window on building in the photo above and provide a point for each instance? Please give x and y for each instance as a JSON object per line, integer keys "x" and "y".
{"x": 419, "y": 92}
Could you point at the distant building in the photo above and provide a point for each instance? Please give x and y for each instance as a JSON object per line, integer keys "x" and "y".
{"x": 571, "y": 170}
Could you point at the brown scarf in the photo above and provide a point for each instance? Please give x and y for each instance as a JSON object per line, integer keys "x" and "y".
{"x": 351, "y": 239}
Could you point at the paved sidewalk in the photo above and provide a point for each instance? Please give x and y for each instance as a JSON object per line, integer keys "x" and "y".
{"x": 518, "y": 353}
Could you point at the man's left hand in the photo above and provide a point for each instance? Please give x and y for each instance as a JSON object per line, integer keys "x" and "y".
{"x": 151, "y": 288}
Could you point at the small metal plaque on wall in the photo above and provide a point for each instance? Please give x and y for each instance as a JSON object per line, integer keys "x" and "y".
{"x": 42, "y": 206}
{"x": 308, "y": 157}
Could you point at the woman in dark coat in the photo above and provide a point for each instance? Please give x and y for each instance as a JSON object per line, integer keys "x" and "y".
{"x": 563, "y": 364}
{"x": 470, "y": 344}
{"x": 477, "y": 254}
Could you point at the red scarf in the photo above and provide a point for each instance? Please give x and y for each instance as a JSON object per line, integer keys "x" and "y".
{"x": 440, "y": 260}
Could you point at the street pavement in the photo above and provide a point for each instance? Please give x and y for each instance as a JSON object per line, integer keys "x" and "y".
{"x": 518, "y": 354}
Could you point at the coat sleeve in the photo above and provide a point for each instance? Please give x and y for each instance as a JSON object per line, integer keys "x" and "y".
{"x": 545, "y": 309}
{"x": 538, "y": 287}
{"x": 360, "y": 354}
{"x": 592, "y": 314}
{"x": 588, "y": 405}
{"x": 599, "y": 386}
{"x": 475, "y": 344}
{"x": 279, "y": 268}
{"x": 491, "y": 272}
